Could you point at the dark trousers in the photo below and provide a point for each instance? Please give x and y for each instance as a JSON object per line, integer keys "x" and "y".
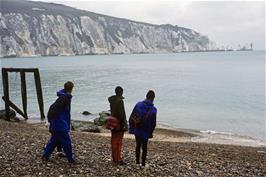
{"x": 116, "y": 145}
{"x": 59, "y": 148}
{"x": 59, "y": 139}
{"x": 58, "y": 145}
{"x": 141, "y": 143}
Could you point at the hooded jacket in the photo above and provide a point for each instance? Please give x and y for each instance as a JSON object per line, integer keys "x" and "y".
{"x": 146, "y": 129}
{"x": 118, "y": 110}
{"x": 59, "y": 112}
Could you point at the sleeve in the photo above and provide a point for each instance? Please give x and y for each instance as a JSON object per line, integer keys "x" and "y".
{"x": 123, "y": 116}
{"x": 153, "y": 123}
{"x": 130, "y": 123}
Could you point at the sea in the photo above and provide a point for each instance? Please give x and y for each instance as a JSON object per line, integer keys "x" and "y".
{"x": 210, "y": 92}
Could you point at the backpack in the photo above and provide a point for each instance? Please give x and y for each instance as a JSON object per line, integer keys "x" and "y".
{"x": 57, "y": 107}
{"x": 136, "y": 120}
{"x": 112, "y": 123}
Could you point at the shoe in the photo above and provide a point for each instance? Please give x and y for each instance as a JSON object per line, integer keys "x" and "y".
{"x": 45, "y": 158}
{"x": 144, "y": 167}
{"x": 121, "y": 163}
{"x": 61, "y": 154}
{"x": 74, "y": 162}
{"x": 138, "y": 165}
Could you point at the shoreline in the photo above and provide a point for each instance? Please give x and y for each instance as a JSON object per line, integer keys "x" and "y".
{"x": 166, "y": 133}
{"x": 21, "y": 149}
{"x": 216, "y": 137}
{"x": 107, "y": 54}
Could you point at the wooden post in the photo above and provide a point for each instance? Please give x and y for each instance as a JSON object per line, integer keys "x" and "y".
{"x": 6, "y": 92}
{"x": 12, "y": 105}
{"x": 39, "y": 92}
{"x": 24, "y": 93}
{"x": 8, "y": 103}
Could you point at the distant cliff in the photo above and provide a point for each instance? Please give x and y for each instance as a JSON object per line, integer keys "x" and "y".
{"x": 41, "y": 29}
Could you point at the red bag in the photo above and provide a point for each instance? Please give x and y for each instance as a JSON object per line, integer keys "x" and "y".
{"x": 112, "y": 123}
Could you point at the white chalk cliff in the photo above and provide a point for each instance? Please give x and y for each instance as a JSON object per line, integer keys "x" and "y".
{"x": 41, "y": 29}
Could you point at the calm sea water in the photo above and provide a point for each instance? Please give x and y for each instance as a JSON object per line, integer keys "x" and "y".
{"x": 220, "y": 91}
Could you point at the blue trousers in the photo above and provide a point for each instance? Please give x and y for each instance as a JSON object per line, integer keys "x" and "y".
{"x": 59, "y": 138}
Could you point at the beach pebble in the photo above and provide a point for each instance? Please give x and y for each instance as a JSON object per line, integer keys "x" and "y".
{"x": 93, "y": 152}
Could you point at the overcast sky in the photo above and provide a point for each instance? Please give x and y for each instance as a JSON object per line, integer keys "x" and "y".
{"x": 226, "y": 23}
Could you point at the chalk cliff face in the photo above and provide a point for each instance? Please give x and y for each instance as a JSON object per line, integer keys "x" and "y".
{"x": 42, "y": 29}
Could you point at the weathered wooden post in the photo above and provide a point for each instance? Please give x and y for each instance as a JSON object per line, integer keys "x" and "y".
{"x": 39, "y": 92}
{"x": 9, "y": 103}
{"x": 6, "y": 92}
{"x": 12, "y": 105}
{"x": 24, "y": 93}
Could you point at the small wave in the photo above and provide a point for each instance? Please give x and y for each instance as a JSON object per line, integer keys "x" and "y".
{"x": 211, "y": 136}
{"x": 217, "y": 137}
{"x": 215, "y": 132}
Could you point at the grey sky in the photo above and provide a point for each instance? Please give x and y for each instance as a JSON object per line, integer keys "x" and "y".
{"x": 227, "y": 23}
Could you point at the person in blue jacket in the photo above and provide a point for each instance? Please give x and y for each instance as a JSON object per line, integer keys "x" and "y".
{"x": 144, "y": 131}
{"x": 59, "y": 119}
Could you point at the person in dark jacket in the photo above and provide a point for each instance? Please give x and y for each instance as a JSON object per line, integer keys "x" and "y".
{"x": 143, "y": 132}
{"x": 118, "y": 110}
{"x": 59, "y": 119}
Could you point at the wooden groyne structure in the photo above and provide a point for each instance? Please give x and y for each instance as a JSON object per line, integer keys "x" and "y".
{"x": 6, "y": 98}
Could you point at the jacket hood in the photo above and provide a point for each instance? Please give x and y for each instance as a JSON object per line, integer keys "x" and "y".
{"x": 114, "y": 98}
{"x": 147, "y": 103}
{"x": 63, "y": 93}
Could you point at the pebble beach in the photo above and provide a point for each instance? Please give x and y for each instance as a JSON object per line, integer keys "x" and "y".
{"x": 21, "y": 147}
